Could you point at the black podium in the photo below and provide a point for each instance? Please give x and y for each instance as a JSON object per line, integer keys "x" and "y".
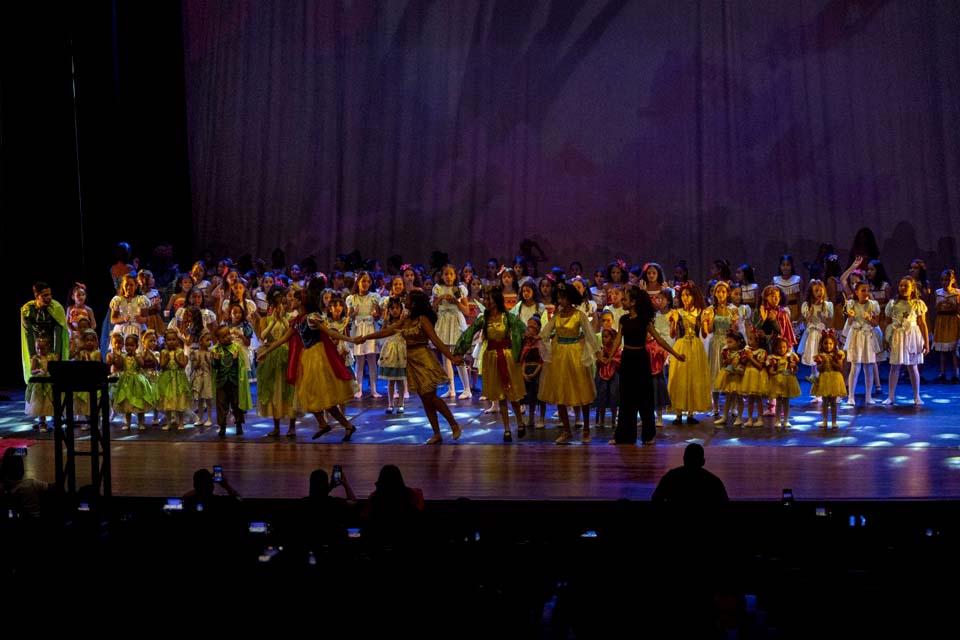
{"x": 69, "y": 379}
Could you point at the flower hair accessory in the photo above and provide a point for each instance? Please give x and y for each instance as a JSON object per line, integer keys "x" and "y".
{"x": 551, "y": 277}
{"x": 80, "y": 285}
{"x": 404, "y": 267}
{"x": 622, "y": 264}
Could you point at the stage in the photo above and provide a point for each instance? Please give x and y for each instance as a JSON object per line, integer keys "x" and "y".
{"x": 882, "y": 453}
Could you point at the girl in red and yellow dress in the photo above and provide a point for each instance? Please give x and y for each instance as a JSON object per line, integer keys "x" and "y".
{"x": 502, "y": 373}
{"x": 322, "y": 380}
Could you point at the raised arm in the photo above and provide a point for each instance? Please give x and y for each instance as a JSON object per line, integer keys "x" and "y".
{"x": 386, "y": 332}
{"x": 846, "y": 275}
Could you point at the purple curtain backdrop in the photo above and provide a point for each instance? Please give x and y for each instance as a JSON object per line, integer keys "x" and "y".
{"x": 644, "y": 130}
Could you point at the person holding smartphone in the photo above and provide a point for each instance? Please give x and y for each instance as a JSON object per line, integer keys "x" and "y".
{"x": 326, "y": 516}
{"x": 204, "y": 492}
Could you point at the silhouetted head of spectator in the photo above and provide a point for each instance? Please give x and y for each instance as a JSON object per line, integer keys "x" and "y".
{"x": 693, "y": 456}
{"x": 319, "y": 484}
{"x": 390, "y": 481}
{"x": 11, "y": 468}
{"x": 203, "y": 482}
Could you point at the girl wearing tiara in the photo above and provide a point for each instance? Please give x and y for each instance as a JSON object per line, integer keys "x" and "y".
{"x": 907, "y": 336}
{"x": 363, "y": 309}
{"x": 449, "y": 301}
{"x": 829, "y": 381}
{"x": 946, "y": 329}
{"x": 782, "y": 369}
{"x": 689, "y": 383}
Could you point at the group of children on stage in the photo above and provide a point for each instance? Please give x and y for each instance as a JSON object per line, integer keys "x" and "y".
{"x": 739, "y": 340}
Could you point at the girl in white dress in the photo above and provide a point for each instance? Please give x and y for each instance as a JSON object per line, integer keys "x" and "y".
{"x": 363, "y": 309}
{"x": 863, "y": 314}
{"x": 449, "y": 301}
{"x": 817, "y": 314}
{"x": 790, "y": 286}
{"x": 907, "y": 336}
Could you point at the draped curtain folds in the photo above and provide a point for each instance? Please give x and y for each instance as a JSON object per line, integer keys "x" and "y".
{"x": 603, "y": 128}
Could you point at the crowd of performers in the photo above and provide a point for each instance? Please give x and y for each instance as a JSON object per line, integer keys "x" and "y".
{"x": 625, "y": 341}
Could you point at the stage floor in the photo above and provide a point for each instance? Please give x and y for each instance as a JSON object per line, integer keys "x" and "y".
{"x": 900, "y": 452}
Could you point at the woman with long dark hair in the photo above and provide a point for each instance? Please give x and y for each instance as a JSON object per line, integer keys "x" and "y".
{"x": 636, "y": 381}
{"x": 423, "y": 371}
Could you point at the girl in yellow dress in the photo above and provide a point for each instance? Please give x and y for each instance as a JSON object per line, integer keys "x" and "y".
{"x": 829, "y": 383}
{"x": 570, "y": 351}
{"x": 689, "y": 383}
{"x": 423, "y": 371}
{"x": 502, "y": 373}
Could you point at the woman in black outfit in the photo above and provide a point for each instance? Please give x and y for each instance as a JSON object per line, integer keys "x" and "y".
{"x": 636, "y": 381}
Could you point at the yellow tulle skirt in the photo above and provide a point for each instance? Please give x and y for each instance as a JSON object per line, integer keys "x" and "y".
{"x": 318, "y": 388}
{"x": 423, "y": 371}
{"x": 565, "y": 380}
{"x": 784, "y": 385}
{"x": 829, "y": 384}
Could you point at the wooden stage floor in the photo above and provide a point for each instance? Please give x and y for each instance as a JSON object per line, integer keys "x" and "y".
{"x": 903, "y": 452}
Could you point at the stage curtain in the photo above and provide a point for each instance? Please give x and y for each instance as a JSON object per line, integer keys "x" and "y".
{"x": 646, "y": 130}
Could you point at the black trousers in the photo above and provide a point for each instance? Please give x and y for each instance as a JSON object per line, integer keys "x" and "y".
{"x": 636, "y": 398}
{"x": 228, "y": 398}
